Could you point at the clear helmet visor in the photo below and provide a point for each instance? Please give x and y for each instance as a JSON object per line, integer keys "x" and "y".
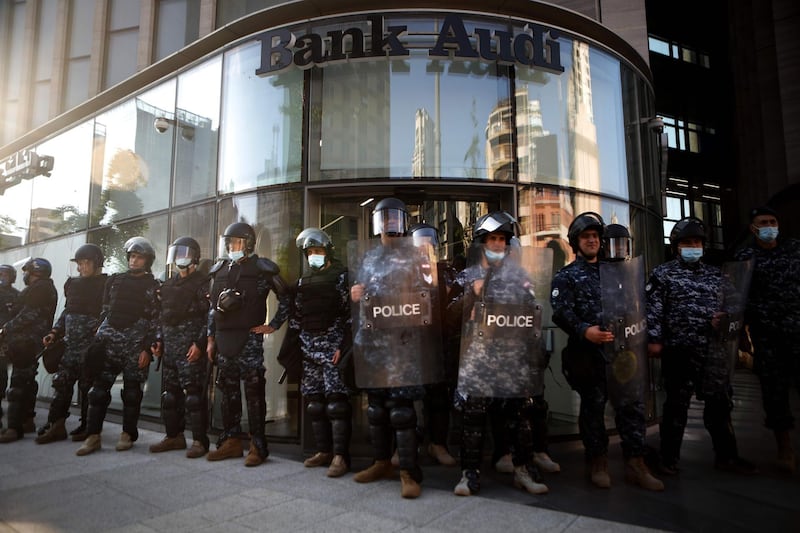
{"x": 180, "y": 255}
{"x": 228, "y": 245}
{"x": 390, "y": 222}
{"x": 618, "y": 248}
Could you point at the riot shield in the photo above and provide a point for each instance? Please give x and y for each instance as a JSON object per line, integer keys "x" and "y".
{"x": 623, "y": 302}
{"x": 396, "y": 319}
{"x": 502, "y": 354}
{"x": 723, "y": 346}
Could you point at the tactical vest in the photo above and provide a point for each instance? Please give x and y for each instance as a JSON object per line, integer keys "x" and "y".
{"x": 128, "y": 299}
{"x": 8, "y": 301}
{"x": 243, "y": 277}
{"x": 85, "y": 295}
{"x": 179, "y": 298}
{"x": 319, "y": 300}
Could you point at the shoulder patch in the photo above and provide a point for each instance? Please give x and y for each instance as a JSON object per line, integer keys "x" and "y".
{"x": 648, "y": 287}
{"x": 554, "y": 294}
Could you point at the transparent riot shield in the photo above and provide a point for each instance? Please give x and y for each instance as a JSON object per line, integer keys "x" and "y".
{"x": 623, "y": 303}
{"x": 726, "y": 326}
{"x": 502, "y": 354}
{"x": 396, "y": 319}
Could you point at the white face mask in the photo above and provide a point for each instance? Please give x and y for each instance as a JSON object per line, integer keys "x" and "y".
{"x": 691, "y": 255}
{"x": 235, "y": 256}
{"x": 316, "y": 260}
{"x": 183, "y": 262}
{"x": 768, "y": 233}
{"x": 494, "y": 257}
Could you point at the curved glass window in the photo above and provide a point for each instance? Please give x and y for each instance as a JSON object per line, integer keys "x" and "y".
{"x": 197, "y": 132}
{"x": 15, "y": 212}
{"x": 136, "y": 161}
{"x": 263, "y": 123}
{"x": 61, "y": 202}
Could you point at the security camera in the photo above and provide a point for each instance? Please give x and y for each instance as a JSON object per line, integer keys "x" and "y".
{"x": 656, "y": 125}
{"x": 161, "y": 124}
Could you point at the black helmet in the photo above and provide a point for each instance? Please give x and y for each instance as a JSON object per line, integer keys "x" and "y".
{"x": 183, "y": 249}
{"x": 90, "y": 252}
{"x": 38, "y": 265}
{"x": 685, "y": 228}
{"x": 421, "y": 231}
{"x": 390, "y": 216}
{"x": 617, "y": 242}
{"x": 497, "y": 221}
{"x": 141, "y": 246}
{"x": 314, "y": 237}
{"x": 244, "y": 231}
{"x": 10, "y": 273}
{"x": 582, "y": 222}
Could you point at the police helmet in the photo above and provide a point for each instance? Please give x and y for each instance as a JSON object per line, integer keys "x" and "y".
{"x": 37, "y": 265}
{"x": 617, "y": 242}
{"x": 314, "y": 238}
{"x": 422, "y": 231}
{"x": 141, "y": 246}
{"x": 390, "y": 216}
{"x": 241, "y": 230}
{"x": 584, "y": 221}
{"x": 497, "y": 221}
{"x": 8, "y": 274}
{"x": 184, "y": 251}
{"x": 685, "y": 228}
{"x": 90, "y": 252}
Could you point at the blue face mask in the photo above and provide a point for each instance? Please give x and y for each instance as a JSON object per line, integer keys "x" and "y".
{"x": 494, "y": 257}
{"x": 691, "y": 255}
{"x": 768, "y": 233}
{"x": 235, "y": 256}
{"x": 316, "y": 260}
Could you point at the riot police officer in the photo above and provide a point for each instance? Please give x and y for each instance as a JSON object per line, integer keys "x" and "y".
{"x": 124, "y": 343}
{"x": 8, "y": 300}
{"x": 22, "y": 335}
{"x": 322, "y": 318}
{"x": 396, "y": 348}
{"x": 576, "y": 301}
{"x": 438, "y": 396}
{"x": 773, "y": 315}
{"x": 501, "y": 367}
{"x": 184, "y": 315}
{"x": 75, "y": 327}
{"x": 682, "y": 308}
{"x": 617, "y": 243}
{"x": 241, "y": 283}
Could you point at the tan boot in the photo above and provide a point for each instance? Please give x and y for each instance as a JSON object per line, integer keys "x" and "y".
{"x": 504, "y": 465}
{"x": 338, "y": 467}
{"x": 197, "y": 450}
{"x": 178, "y": 442}
{"x": 53, "y": 432}
{"x": 254, "y": 457}
{"x": 545, "y": 464}
{"x": 637, "y": 473}
{"x": 229, "y": 449}
{"x": 409, "y": 488}
{"x": 377, "y": 470}
{"x": 599, "y": 472}
{"x": 125, "y": 442}
{"x": 9, "y": 435}
{"x": 90, "y": 445}
{"x": 524, "y": 481}
{"x": 318, "y": 459}
{"x": 786, "y": 459}
{"x": 440, "y": 453}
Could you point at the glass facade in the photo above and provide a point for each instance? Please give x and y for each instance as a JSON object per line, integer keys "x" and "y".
{"x": 489, "y": 114}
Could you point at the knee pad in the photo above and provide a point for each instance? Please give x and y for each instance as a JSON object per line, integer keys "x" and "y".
{"x": 193, "y": 401}
{"x": 131, "y": 394}
{"x": 403, "y": 417}
{"x": 377, "y": 414}
{"x": 16, "y": 394}
{"x": 60, "y": 380}
{"x": 316, "y": 407}
{"x": 99, "y": 396}
{"x": 168, "y": 400}
{"x": 339, "y": 407}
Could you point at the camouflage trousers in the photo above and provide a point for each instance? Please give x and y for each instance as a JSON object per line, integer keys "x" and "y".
{"x": 322, "y": 378}
{"x": 246, "y": 366}
{"x": 683, "y": 373}
{"x": 777, "y": 365}
{"x": 80, "y": 330}
{"x": 178, "y": 373}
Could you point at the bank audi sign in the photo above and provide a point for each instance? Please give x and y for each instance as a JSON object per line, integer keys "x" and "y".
{"x": 536, "y": 46}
